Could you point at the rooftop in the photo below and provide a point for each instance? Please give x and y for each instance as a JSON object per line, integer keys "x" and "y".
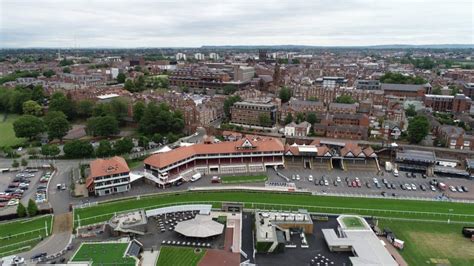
{"x": 416, "y": 156}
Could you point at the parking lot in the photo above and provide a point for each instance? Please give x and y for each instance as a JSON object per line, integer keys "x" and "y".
{"x": 372, "y": 183}
{"x": 22, "y": 186}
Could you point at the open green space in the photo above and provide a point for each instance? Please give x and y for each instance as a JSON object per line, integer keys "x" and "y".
{"x": 352, "y": 222}
{"x": 230, "y": 179}
{"x": 409, "y": 209}
{"x": 432, "y": 243}
{"x": 20, "y": 235}
{"x": 6, "y": 129}
{"x": 180, "y": 256}
{"x": 104, "y": 254}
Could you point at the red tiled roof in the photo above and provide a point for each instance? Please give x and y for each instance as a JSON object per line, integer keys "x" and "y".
{"x": 161, "y": 160}
{"x": 104, "y": 167}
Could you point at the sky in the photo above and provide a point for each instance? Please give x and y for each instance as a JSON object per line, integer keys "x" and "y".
{"x": 193, "y": 23}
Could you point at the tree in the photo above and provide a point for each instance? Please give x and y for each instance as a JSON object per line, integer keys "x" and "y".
{"x": 24, "y": 162}
{"x": 398, "y": 78}
{"x": 229, "y": 89}
{"x": 59, "y": 102}
{"x": 436, "y": 90}
{"x": 418, "y": 129}
{"x": 285, "y": 94}
{"x": 32, "y": 208}
{"x": 66, "y": 70}
{"x": 119, "y": 109}
{"x": 265, "y": 120}
{"x": 138, "y": 111}
{"x": 66, "y": 62}
{"x": 157, "y": 138}
{"x": 454, "y": 89}
{"x": 123, "y": 146}
{"x": 143, "y": 142}
{"x": 229, "y": 102}
{"x": 50, "y": 150}
{"x": 299, "y": 117}
{"x": 129, "y": 85}
{"x": 85, "y": 108}
{"x": 104, "y": 149}
{"x": 49, "y": 73}
{"x": 345, "y": 99}
{"x": 21, "y": 210}
{"x": 410, "y": 111}
{"x": 15, "y": 164}
{"x": 31, "y": 107}
{"x": 312, "y": 118}
{"x": 288, "y": 119}
{"x": 121, "y": 77}
{"x": 159, "y": 118}
{"x": 57, "y": 127}
{"x": 37, "y": 94}
{"x": 102, "y": 126}
{"x": 28, "y": 126}
{"x": 78, "y": 149}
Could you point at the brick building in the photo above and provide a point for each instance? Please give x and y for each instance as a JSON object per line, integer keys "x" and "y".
{"x": 448, "y": 103}
{"x": 247, "y": 113}
{"x": 406, "y": 90}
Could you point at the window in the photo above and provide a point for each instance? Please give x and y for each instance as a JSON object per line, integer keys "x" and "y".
{"x": 467, "y": 143}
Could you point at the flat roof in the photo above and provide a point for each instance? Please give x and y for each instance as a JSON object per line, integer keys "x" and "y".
{"x": 108, "y": 96}
{"x": 366, "y": 246}
{"x": 416, "y": 156}
{"x": 450, "y": 170}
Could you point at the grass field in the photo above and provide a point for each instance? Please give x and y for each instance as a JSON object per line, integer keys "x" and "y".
{"x": 432, "y": 243}
{"x": 352, "y": 222}
{"x": 179, "y": 256}
{"x": 104, "y": 254}
{"x": 243, "y": 179}
{"x": 409, "y": 209}
{"x": 8, "y": 135}
{"x": 33, "y": 229}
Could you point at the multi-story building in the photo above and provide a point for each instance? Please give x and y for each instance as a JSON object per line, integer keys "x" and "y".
{"x": 455, "y": 137}
{"x": 294, "y": 106}
{"x": 468, "y": 89}
{"x": 448, "y": 103}
{"x": 342, "y": 108}
{"x": 406, "y": 90}
{"x": 331, "y": 82}
{"x": 249, "y": 113}
{"x": 243, "y": 73}
{"x": 199, "y": 56}
{"x": 214, "y": 56}
{"x": 108, "y": 176}
{"x": 342, "y": 131}
{"x": 228, "y": 157}
{"x": 367, "y": 84}
{"x": 180, "y": 56}
{"x": 297, "y": 130}
{"x": 346, "y": 119}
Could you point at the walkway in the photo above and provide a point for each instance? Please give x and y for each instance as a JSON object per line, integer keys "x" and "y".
{"x": 150, "y": 258}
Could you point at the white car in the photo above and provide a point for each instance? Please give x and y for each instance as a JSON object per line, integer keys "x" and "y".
{"x": 326, "y": 182}
{"x": 376, "y": 180}
{"x": 13, "y": 202}
{"x": 452, "y": 188}
{"x": 298, "y": 177}
{"x": 310, "y": 178}
{"x": 408, "y": 187}
{"x": 338, "y": 179}
{"x": 293, "y": 177}
{"x": 433, "y": 188}
{"x": 413, "y": 186}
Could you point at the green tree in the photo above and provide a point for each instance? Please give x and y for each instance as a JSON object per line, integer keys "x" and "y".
{"x": 345, "y": 99}
{"x": 85, "y": 108}
{"x": 159, "y": 118}
{"x": 57, "y": 127}
{"x": 454, "y": 89}
{"x": 32, "y": 208}
{"x": 66, "y": 70}
{"x": 265, "y": 120}
{"x": 288, "y": 119}
{"x": 28, "y": 126}
{"x": 15, "y": 164}
{"x": 138, "y": 111}
{"x": 31, "y": 107}
{"x": 123, "y": 146}
{"x": 312, "y": 118}
{"x": 229, "y": 89}
{"x": 121, "y": 77}
{"x": 78, "y": 149}
{"x": 143, "y": 142}
{"x": 129, "y": 85}
{"x": 284, "y": 94}
{"x": 102, "y": 126}
{"x": 119, "y": 109}
{"x": 37, "y": 94}
{"x": 418, "y": 129}
{"x": 66, "y": 62}
{"x": 229, "y": 102}
{"x": 410, "y": 111}
{"x": 24, "y": 162}
{"x": 398, "y": 78}
{"x": 105, "y": 149}
{"x": 50, "y": 150}
{"x": 49, "y": 73}
{"x": 157, "y": 138}
{"x": 436, "y": 90}
{"x": 59, "y": 102}
{"x": 299, "y": 117}
{"x": 21, "y": 210}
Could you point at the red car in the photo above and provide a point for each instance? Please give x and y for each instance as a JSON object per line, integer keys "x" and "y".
{"x": 3, "y": 204}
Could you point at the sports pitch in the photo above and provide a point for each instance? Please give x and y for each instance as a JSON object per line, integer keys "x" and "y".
{"x": 180, "y": 256}
{"x": 103, "y": 254}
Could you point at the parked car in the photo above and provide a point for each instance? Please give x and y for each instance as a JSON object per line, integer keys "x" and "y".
{"x": 215, "y": 179}
{"x": 422, "y": 187}
{"x": 298, "y": 177}
{"x": 413, "y": 186}
{"x": 459, "y": 189}
{"x": 310, "y": 178}
{"x": 465, "y": 189}
{"x": 432, "y": 188}
{"x": 39, "y": 255}
{"x": 452, "y": 188}
{"x": 196, "y": 177}
{"x": 338, "y": 179}
{"x": 13, "y": 202}
{"x": 368, "y": 185}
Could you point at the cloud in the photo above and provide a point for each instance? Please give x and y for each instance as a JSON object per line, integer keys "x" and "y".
{"x": 119, "y": 23}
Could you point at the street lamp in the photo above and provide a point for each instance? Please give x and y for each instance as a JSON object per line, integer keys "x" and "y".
{"x": 449, "y": 215}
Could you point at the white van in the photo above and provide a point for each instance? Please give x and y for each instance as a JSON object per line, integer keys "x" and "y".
{"x": 196, "y": 177}
{"x": 395, "y": 172}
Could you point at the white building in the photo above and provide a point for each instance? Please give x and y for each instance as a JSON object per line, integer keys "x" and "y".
{"x": 214, "y": 56}
{"x": 198, "y": 56}
{"x": 181, "y": 56}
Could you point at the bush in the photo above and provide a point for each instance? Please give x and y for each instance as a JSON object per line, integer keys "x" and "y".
{"x": 21, "y": 210}
{"x": 32, "y": 208}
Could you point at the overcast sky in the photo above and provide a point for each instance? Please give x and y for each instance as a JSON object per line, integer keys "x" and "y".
{"x": 192, "y": 23}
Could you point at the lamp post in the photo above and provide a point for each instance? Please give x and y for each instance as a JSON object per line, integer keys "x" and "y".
{"x": 449, "y": 216}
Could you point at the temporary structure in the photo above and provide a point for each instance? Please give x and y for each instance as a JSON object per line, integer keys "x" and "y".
{"x": 202, "y": 226}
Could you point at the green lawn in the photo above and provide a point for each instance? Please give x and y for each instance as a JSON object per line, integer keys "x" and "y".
{"x": 179, "y": 256}
{"x": 353, "y": 223}
{"x": 243, "y": 179}
{"x": 104, "y": 254}
{"x": 34, "y": 229}
{"x": 8, "y": 135}
{"x": 328, "y": 204}
{"x": 432, "y": 243}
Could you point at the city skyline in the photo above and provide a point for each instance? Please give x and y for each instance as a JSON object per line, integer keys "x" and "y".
{"x": 121, "y": 24}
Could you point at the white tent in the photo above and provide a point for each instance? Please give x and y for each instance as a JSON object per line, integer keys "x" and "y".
{"x": 162, "y": 150}
{"x": 201, "y": 226}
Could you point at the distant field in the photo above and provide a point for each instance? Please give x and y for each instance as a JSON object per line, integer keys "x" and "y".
{"x": 104, "y": 254}
{"x": 7, "y": 134}
{"x": 432, "y": 243}
{"x": 179, "y": 256}
{"x": 12, "y": 237}
{"x": 243, "y": 179}
{"x": 409, "y": 209}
